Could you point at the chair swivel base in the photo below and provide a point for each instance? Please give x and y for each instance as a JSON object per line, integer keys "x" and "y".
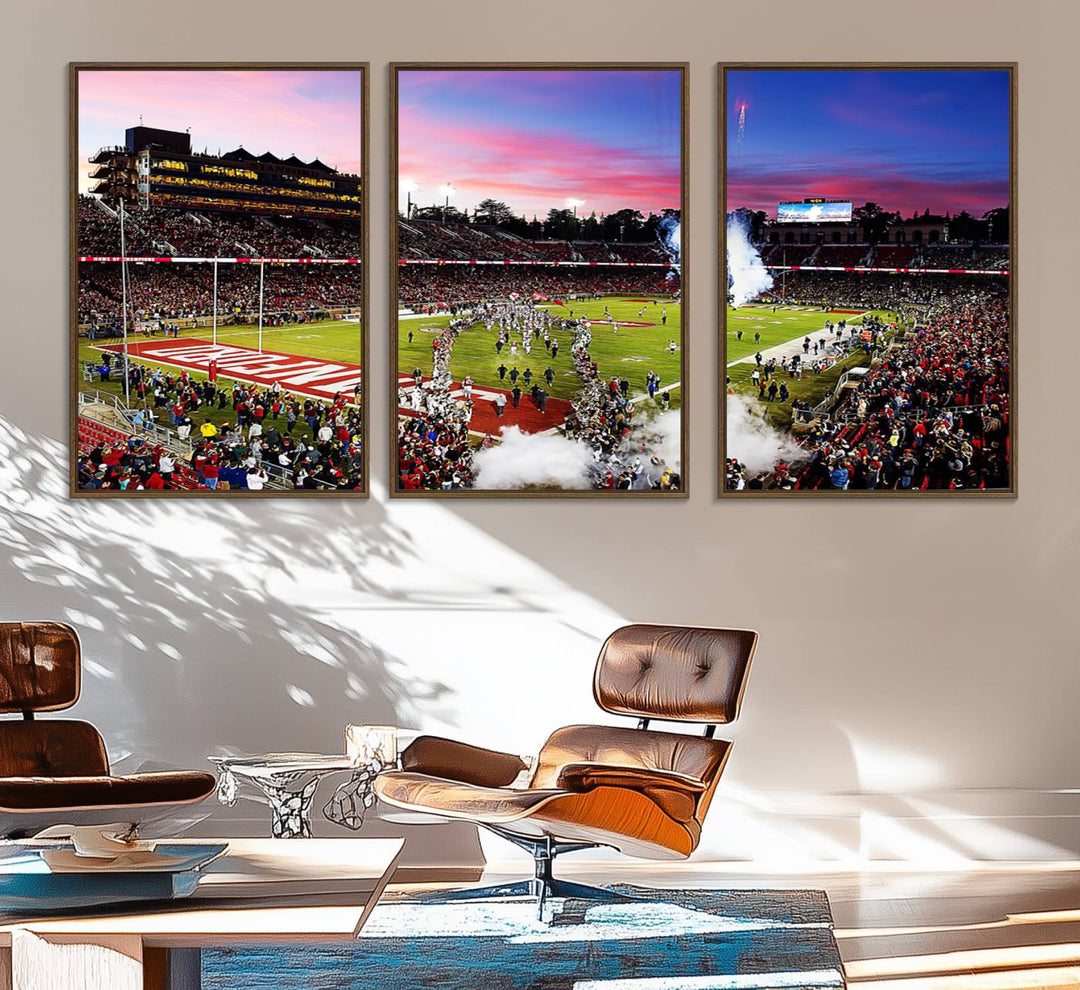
{"x": 537, "y": 890}
{"x": 543, "y": 884}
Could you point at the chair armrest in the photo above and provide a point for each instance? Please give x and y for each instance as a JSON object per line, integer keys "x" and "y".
{"x": 675, "y": 793}
{"x": 453, "y": 760}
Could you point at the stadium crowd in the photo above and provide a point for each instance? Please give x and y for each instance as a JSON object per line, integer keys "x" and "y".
{"x": 162, "y": 231}
{"x": 248, "y": 435}
{"x": 464, "y": 242}
{"x": 931, "y": 414}
{"x": 625, "y": 453}
{"x": 870, "y": 290}
{"x": 972, "y": 257}
{"x": 446, "y": 288}
{"x": 175, "y": 291}
{"x": 434, "y": 452}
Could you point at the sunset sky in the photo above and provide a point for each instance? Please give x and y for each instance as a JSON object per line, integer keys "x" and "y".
{"x": 907, "y": 140}
{"x": 535, "y": 138}
{"x": 312, "y": 114}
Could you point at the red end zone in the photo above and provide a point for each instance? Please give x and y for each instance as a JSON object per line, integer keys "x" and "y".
{"x": 526, "y": 417}
{"x": 313, "y": 377}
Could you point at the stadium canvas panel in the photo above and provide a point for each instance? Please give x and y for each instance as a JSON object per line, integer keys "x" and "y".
{"x": 218, "y": 280}
{"x": 538, "y": 346}
{"x": 869, "y": 219}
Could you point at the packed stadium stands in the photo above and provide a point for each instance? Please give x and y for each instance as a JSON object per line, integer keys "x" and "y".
{"x": 168, "y": 232}
{"x": 981, "y": 257}
{"x": 177, "y": 290}
{"x": 872, "y": 290}
{"x": 250, "y": 438}
{"x": 426, "y": 239}
{"x": 431, "y": 288}
{"x": 931, "y": 414}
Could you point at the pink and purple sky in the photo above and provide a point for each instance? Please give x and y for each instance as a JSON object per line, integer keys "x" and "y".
{"x": 307, "y": 113}
{"x": 536, "y": 138}
{"x": 908, "y": 140}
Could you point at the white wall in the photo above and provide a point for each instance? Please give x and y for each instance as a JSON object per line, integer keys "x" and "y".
{"x": 916, "y": 689}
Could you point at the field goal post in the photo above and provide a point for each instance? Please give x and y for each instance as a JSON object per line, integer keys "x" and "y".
{"x": 351, "y": 314}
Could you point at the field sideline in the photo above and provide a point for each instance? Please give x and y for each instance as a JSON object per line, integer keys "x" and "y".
{"x": 776, "y": 329}
{"x": 631, "y": 353}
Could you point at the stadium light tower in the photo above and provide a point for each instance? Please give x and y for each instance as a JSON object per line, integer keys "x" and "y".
{"x": 410, "y": 186}
{"x": 124, "y": 305}
{"x": 574, "y": 204}
{"x": 447, "y": 191}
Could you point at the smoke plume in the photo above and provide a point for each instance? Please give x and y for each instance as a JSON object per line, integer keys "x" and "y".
{"x": 669, "y": 233}
{"x": 753, "y": 442}
{"x": 747, "y": 276}
{"x": 533, "y": 460}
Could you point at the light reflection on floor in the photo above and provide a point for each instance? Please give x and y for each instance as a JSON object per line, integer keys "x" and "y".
{"x": 1013, "y": 926}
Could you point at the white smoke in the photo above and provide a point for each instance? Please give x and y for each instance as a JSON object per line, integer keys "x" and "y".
{"x": 662, "y": 438}
{"x": 748, "y": 277}
{"x": 755, "y": 443}
{"x": 533, "y": 460}
{"x": 669, "y": 233}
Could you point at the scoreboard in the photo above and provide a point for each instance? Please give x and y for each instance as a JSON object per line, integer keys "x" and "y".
{"x": 814, "y": 211}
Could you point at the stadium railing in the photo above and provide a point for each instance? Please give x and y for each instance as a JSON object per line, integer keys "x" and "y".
{"x": 278, "y": 478}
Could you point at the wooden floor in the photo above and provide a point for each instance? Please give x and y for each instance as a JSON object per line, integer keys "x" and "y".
{"x": 1007, "y": 926}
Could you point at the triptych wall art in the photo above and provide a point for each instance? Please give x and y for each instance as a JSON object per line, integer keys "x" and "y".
{"x": 539, "y": 335}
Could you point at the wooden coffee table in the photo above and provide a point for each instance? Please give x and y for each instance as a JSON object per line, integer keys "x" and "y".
{"x": 261, "y": 890}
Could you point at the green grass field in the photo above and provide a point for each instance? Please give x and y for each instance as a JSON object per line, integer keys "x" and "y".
{"x": 631, "y": 353}
{"x": 336, "y": 340}
{"x": 776, "y": 329}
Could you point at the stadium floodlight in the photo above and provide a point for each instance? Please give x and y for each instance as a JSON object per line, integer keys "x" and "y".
{"x": 573, "y": 204}
{"x": 446, "y": 190}
{"x": 410, "y": 186}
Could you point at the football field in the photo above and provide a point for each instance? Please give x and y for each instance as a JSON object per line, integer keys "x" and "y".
{"x": 777, "y": 327}
{"x": 786, "y": 326}
{"x": 324, "y": 340}
{"x": 631, "y": 352}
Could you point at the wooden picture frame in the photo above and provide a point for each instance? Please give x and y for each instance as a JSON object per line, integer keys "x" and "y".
{"x": 396, "y": 69}
{"x": 359, "y": 389}
{"x": 726, "y": 152}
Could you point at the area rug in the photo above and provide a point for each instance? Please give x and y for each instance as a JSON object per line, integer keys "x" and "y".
{"x": 660, "y": 940}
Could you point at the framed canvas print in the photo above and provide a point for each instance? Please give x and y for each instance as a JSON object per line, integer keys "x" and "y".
{"x": 869, "y": 262}
{"x": 218, "y": 303}
{"x": 538, "y": 213}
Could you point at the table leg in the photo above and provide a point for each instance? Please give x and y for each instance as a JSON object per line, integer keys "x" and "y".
{"x": 351, "y": 800}
{"x": 290, "y": 809}
{"x": 172, "y": 969}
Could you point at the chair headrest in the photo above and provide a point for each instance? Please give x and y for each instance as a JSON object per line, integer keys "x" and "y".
{"x": 676, "y": 673}
{"x": 39, "y": 666}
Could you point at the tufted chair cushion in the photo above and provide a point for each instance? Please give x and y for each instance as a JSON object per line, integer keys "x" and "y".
{"x": 39, "y": 666}
{"x": 645, "y": 793}
{"x": 678, "y": 673}
{"x": 51, "y": 767}
{"x": 51, "y": 748}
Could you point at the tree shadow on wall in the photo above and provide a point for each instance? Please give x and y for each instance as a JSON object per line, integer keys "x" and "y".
{"x": 196, "y": 636}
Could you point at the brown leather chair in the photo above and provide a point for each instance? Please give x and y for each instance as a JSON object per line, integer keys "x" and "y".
{"x": 55, "y": 771}
{"x": 643, "y": 792}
